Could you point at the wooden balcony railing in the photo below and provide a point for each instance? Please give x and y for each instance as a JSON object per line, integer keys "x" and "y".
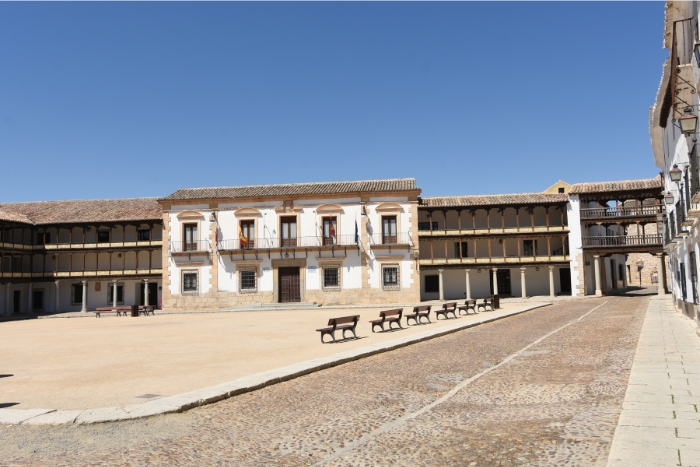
{"x": 622, "y": 211}
{"x": 622, "y": 240}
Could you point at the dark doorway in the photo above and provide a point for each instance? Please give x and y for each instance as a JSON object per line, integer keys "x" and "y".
{"x": 38, "y": 300}
{"x": 565, "y": 280}
{"x": 16, "y": 300}
{"x": 289, "y": 285}
{"x": 503, "y": 278}
{"x": 152, "y": 294}
{"x": 613, "y": 279}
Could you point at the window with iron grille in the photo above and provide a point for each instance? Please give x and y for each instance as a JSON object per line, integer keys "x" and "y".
{"x": 248, "y": 280}
{"x": 190, "y": 282}
{"x": 144, "y": 235}
{"x": 76, "y": 295}
{"x": 331, "y": 277}
{"x": 390, "y": 277}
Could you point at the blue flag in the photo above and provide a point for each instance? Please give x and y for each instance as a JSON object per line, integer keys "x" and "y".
{"x": 357, "y": 235}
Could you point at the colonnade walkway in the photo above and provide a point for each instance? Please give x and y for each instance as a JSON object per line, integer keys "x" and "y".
{"x": 660, "y": 421}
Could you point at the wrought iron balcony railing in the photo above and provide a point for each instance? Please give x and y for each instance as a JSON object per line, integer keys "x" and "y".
{"x": 197, "y": 246}
{"x": 402, "y": 238}
{"x": 294, "y": 242}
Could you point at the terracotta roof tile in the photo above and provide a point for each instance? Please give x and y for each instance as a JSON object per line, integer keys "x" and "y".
{"x": 620, "y": 185}
{"x": 294, "y": 189}
{"x": 512, "y": 199}
{"x": 82, "y": 211}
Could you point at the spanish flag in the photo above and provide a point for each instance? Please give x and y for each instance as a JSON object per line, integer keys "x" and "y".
{"x": 242, "y": 238}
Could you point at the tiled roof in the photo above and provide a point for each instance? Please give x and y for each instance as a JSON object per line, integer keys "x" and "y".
{"x": 513, "y": 199}
{"x": 620, "y": 185}
{"x": 295, "y": 189}
{"x": 82, "y": 211}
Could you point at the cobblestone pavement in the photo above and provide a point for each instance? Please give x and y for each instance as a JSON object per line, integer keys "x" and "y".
{"x": 493, "y": 404}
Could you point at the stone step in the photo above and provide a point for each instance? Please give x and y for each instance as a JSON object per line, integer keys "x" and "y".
{"x": 274, "y": 306}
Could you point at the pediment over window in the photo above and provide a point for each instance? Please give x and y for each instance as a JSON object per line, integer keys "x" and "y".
{"x": 389, "y": 207}
{"x": 190, "y": 215}
{"x": 247, "y": 212}
{"x": 329, "y": 209}
{"x": 288, "y": 207}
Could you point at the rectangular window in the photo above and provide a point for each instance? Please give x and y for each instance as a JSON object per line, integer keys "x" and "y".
{"x": 43, "y": 238}
{"x": 76, "y": 296}
{"x": 464, "y": 249}
{"x": 144, "y": 235}
{"x": 120, "y": 293}
{"x": 389, "y": 230}
{"x": 288, "y": 231}
{"x": 426, "y": 225}
{"x": 529, "y": 247}
{"x": 246, "y": 234}
{"x": 190, "y": 282}
{"x": 330, "y": 227}
{"x": 38, "y": 300}
{"x": 432, "y": 284}
{"x": 103, "y": 236}
{"x": 189, "y": 240}
{"x": 249, "y": 282}
{"x": 331, "y": 277}
{"x": 390, "y": 277}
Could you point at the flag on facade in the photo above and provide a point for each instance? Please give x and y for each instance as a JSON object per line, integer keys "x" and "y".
{"x": 357, "y": 234}
{"x": 242, "y": 238}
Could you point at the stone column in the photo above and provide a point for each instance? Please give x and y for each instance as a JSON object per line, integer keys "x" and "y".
{"x": 442, "y": 292}
{"x": 114, "y": 293}
{"x": 57, "y": 302}
{"x": 469, "y": 287}
{"x": 596, "y": 272}
{"x": 522, "y": 283}
{"x": 551, "y": 281}
{"x": 84, "y": 308}
{"x": 8, "y": 311}
{"x": 495, "y": 281}
{"x": 660, "y": 273}
{"x": 145, "y": 292}
{"x": 29, "y": 299}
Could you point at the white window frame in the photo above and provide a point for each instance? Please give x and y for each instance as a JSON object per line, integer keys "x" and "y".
{"x": 333, "y": 288}
{"x": 243, "y": 269}
{"x": 398, "y": 277}
{"x": 182, "y": 282}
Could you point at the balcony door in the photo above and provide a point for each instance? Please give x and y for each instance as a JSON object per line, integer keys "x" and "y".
{"x": 189, "y": 237}
{"x": 247, "y": 234}
{"x": 330, "y": 226}
{"x": 389, "y": 229}
{"x": 288, "y": 231}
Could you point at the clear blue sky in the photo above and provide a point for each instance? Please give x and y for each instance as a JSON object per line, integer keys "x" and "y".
{"x": 138, "y": 99}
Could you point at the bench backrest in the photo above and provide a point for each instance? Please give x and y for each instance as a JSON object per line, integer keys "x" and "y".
{"x": 469, "y": 302}
{"x": 343, "y": 320}
{"x": 447, "y": 306}
{"x": 421, "y": 308}
{"x": 394, "y": 312}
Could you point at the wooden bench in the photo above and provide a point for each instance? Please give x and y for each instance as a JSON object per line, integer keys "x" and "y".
{"x": 346, "y": 323}
{"x": 486, "y": 302}
{"x": 446, "y": 308}
{"x": 119, "y": 310}
{"x": 468, "y": 305}
{"x": 147, "y": 309}
{"x": 418, "y": 313}
{"x": 388, "y": 316}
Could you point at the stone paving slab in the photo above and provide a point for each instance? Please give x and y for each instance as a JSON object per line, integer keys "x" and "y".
{"x": 219, "y": 392}
{"x": 659, "y": 424}
{"x": 58, "y": 417}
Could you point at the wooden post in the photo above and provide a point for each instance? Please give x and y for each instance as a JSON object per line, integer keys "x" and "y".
{"x": 488, "y": 219}
{"x": 520, "y": 241}
{"x": 475, "y": 248}
{"x": 473, "y": 211}
{"x": 504, "y": 247}
{"x": 489, "y": 242}
{"x": 549, "y": 247}
{"x": 430, "y": 219}
{"x": 532, "y": 218}
{"x": 459, "y": 220}
{"x": 446, "y": 256}
{"x": 546, "y": 215}
{"x": 503, "y": 219}
{"x": 517, "y": 217}
{"x": 432, "y": 254}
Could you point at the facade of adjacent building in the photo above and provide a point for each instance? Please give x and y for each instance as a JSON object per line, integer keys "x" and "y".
{"x": 673, "y": 129}
{"x": 329, "y": 243}
{"x": 60, "y": 256}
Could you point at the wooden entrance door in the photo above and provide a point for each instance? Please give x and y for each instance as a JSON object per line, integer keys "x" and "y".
{"x": 152, "y": 294}
{"x": 289, "y": 285}
{"x": 503, "y": 278}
